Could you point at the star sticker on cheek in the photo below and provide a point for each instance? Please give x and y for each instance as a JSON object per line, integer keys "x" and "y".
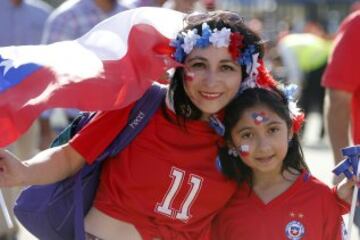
{"x": 244, "y": 150}
{"x": 259, "y": 118}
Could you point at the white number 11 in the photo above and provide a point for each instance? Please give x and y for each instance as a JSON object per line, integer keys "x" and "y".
{"x": 183, "y": 214}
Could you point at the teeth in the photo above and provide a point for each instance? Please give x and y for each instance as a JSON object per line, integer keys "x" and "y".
{"x": 212, "y": 95}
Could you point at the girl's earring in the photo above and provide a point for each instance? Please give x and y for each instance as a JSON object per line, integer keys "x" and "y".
{"x": 233, "y": 152}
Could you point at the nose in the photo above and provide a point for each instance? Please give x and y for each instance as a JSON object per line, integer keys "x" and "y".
{"x": 211, "y": 78}
{"x": 263, "y": 144}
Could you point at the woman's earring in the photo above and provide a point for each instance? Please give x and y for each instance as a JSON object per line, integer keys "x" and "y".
{"x": 186, "y": 110}
{"x": 233, "y": 152}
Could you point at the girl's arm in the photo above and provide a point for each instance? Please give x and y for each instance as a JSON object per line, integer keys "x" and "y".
{"x": 48, "y": 166}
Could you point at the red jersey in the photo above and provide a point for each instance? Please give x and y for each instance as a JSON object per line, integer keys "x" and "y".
{"x": 165, "y": 181}
{"x": 343, "y": 71}
{"x": 307, "y": 210}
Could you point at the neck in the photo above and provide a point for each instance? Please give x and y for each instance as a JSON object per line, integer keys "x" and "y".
{"x": 105, "y": 5}
{"x": 268, "y": 186}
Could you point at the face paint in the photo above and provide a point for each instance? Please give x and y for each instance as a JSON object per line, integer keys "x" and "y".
{"x": 259, "y": 118}
{"x": 244, "y": 150}
{"x": 189, "y": 76}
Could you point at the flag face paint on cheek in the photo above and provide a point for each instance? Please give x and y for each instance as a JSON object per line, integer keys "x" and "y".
{"x": 244, "y": 150}
{"x": 189, "y": 76}
{"x": 259, "y": 118}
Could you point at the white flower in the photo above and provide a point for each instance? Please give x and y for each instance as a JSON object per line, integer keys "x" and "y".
{"x": 220, "y": 38}
{"x": 247, "y": 83}
{"x": 190, "y": 38}
{"x": 293, "y": 108}
{"x": 251, "y": 69}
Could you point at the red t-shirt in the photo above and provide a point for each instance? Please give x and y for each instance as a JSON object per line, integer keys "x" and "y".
{"x": 343, "y": 70}
{"x": 307, "y": 210}
{"x": 165, "y": 181}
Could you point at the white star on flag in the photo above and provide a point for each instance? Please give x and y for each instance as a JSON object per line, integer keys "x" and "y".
{"x": 8, "y": 64}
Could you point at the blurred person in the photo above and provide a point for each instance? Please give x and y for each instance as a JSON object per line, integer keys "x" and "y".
{"x": 185, "y": 6}
{"x": 342, "y": 82}
{"x": 210, "y": 5}
{"x": 146, "y": 3}
{"x": 305, "y": 57}
{"x": 69, "y": 21}
{"x": 22, "y": 23}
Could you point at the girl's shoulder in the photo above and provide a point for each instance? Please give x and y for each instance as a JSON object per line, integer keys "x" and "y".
{"x": 313, "y": 184}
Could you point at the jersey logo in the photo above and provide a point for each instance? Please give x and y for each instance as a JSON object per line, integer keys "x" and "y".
{"x": 294, "y": 230}
{"x": 137, "y": 120}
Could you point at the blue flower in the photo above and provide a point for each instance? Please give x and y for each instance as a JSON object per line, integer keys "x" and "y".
{"x": 179, "y": 54}
{"x": 203, "y": 41}
{"x": 246, "y": 56}
{"x": 290, "y": 91}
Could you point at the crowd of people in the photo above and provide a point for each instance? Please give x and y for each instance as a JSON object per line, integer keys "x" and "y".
{"x": 221, "y": 158}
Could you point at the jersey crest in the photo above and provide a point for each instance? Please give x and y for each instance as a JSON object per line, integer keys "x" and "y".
{"x": 294, "y": 230}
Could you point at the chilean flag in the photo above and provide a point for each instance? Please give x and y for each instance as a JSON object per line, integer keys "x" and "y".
{"x": 108, "y": 68}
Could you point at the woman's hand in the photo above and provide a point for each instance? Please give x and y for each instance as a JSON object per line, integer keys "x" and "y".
{"x": 12, "y": 170}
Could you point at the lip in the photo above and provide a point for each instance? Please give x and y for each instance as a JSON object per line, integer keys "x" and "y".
{"x": 265, "y": 159}
{"x": 210, "y": 95}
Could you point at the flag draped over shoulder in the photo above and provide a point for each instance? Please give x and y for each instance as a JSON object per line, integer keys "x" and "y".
{"x": 107, "y": 68}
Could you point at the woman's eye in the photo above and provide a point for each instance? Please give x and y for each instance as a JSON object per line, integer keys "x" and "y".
{"x": 198, "y": 65}
{"x": 227, "y": 68}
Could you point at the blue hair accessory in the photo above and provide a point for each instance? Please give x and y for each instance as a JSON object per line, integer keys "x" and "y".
{"x": 218, "y": 163}
{"x": 217, "y": 125}
{"x": 290, "y": 91}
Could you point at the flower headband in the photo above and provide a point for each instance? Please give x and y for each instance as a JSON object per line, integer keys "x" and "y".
{"x": 185, "y": 42}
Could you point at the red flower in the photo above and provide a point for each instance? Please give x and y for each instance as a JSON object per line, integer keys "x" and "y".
{"x": 264, "y": 78}
{"x": 297, "y": 122}
{"x": 236, "y": 44}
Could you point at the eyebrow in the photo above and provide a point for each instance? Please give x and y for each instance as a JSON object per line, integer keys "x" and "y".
{"x": 196, "y": 58}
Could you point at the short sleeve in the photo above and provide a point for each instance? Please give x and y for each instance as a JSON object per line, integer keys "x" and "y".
{"x": 93, "y": 139}
{"x": 343, "y": 65}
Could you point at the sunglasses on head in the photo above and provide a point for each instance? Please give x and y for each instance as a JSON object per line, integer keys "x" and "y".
{"x": 226, "y": 16}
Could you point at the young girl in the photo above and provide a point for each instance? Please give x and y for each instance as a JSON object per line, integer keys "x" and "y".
{"x": 277, "y": 197}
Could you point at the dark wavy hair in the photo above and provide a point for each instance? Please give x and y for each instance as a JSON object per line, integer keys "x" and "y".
{"x": 233, "y": 167}
{"x": 184, "y": 108}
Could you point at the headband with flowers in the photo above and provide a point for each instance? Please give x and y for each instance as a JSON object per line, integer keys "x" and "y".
{"x": 185, "y": 42}
{"x": 246, "y": 56}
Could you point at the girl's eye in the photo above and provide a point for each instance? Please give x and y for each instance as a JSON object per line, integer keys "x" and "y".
{"x": 274, "y": 130}
{"x": 246, "y": 136}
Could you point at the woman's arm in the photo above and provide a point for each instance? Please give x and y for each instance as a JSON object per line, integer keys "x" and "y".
{"x": 48, "y": 166}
